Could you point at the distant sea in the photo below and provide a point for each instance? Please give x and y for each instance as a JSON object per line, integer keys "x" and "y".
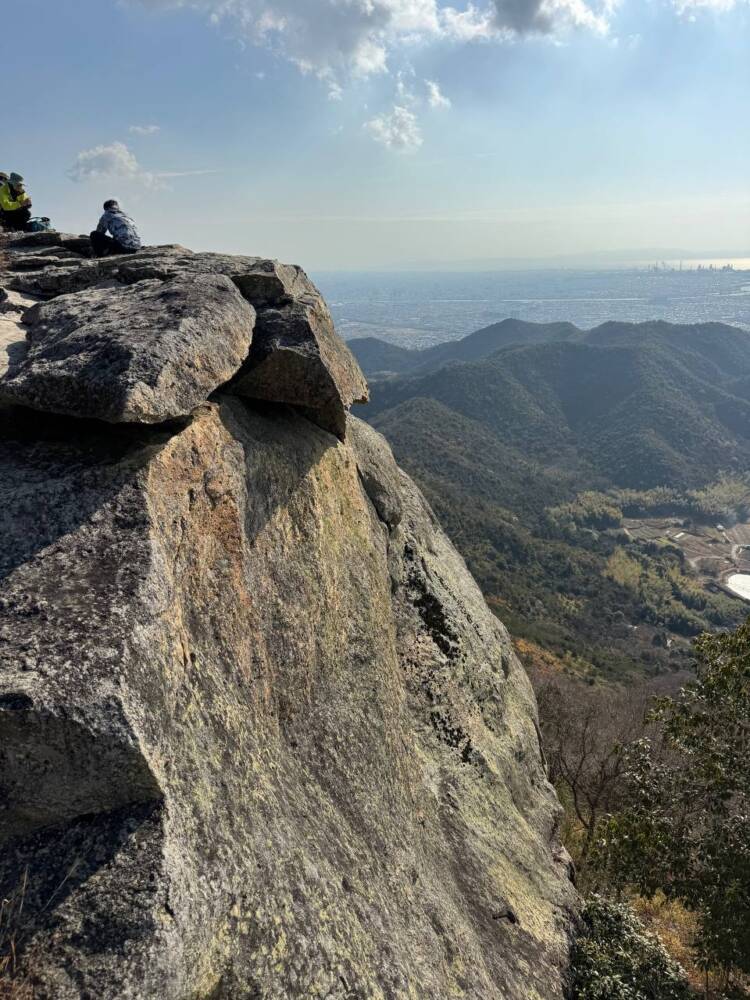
{"x": 418, "y": 309}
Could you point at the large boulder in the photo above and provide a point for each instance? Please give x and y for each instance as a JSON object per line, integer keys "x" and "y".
{"x": 143, "y": 353}
{"x": 260, "y": 735}
{"x": 299, "y": 359}
{"x": 253, "y": 741}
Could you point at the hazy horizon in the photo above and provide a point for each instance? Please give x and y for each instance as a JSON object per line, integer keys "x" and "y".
{"x": 626, "y": 259}
{"x": 417, "y": 309}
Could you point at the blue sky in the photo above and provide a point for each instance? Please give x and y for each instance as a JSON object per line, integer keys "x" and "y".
{"x": 381, "y": 133}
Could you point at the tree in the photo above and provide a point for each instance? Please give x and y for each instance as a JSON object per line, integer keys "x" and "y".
{"x": 685, "y": 827}
{"x": 587, "y": 731}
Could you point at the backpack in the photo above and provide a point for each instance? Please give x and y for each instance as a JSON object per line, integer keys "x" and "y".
{"x": 39, "y": 225}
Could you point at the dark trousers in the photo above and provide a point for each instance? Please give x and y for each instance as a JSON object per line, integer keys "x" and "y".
{"x": 16, "y": 220}
{"x": 105, "y": 246}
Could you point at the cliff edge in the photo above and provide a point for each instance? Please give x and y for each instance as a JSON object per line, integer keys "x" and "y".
{"x": 260, "y": 736}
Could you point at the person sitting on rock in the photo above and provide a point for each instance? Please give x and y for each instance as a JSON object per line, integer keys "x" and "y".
{"x": 15, "y": 204}
{"x": 124, "y": 238}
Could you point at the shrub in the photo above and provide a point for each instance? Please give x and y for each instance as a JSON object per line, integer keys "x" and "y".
{"x": 615, "y": 958}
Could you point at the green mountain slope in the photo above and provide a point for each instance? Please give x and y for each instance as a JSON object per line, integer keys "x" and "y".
{"x": 504, "y": 447}
{"x": 642, "y": 412}
{"x": 377, "y": 356}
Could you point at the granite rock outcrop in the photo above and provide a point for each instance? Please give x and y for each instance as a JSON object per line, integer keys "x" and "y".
{"x": 297, "y": 357}
{"x": 260, "y": 735}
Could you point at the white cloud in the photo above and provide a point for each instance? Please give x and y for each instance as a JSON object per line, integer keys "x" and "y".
{"x": 338, "y": 38}
{"x": 341, "y": 40}
{"x": 117, "y": 162}
{"x": 690, "y": 6}
{"x": 397, "y": 129}
{"x": 405, "y": 96}
{"x": 325, "y": 37}
{"x": 114, "y": 160}
{"x": 335, "y": 91}
{"x": 144, "y": 129}
{"x": 467, "y": 25}
{"x": 435, "y": 97}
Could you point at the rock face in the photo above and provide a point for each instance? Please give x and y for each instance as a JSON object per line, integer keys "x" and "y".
{"x": 142, "y": 353}
{"x": 260, "y": 736}
{"x": 381, "y": 477}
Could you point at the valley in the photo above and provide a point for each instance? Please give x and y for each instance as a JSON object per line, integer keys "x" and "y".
{"x": 595, "y": 481}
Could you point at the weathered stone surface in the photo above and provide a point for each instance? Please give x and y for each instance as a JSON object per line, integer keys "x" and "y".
{"x": 298, "y": 359}
{"x": 44, "y": 257}
{"x": 296, "y": 754}
{"x": 380, "y": 475}
{"x": 30, "y": 240}
{"x": 13, "y": 305}
{"x": 260, "y": 736}
{"x": 42, "y": 241}
{"x": 145, "y": 353}
{"x": 262, "y": 282}
{"x": 61, "y": 277}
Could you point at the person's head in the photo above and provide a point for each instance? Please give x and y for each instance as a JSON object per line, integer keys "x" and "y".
{"x": 111, "y": 205}
{"x": 16, "y": 182}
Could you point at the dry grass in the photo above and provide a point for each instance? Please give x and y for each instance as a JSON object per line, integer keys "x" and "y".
{"x": 677, "y": 927}
{"x": 12, "y": 988}
{"x": 13, "y": 985}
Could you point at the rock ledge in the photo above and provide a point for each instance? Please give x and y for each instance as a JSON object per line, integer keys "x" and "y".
{"x": 111, "y": 345}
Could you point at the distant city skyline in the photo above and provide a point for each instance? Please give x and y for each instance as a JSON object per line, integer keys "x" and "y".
{"x": 391, "y": 133}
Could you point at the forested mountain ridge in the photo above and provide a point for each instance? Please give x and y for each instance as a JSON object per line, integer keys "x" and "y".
{"x": 638, "y": 407}
{"x": 505, "y": 446}
{"x": 378, "y": 357}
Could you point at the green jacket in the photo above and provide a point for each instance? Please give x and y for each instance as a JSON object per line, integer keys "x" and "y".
{"x": 10, "y": 200}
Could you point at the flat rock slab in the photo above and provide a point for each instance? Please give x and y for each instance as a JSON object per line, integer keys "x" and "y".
{"x": 146, "y": 353}
{"x": 51, "y": 238}
{"x": 262, "y": 282}
{"x": 297, "y": 358}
